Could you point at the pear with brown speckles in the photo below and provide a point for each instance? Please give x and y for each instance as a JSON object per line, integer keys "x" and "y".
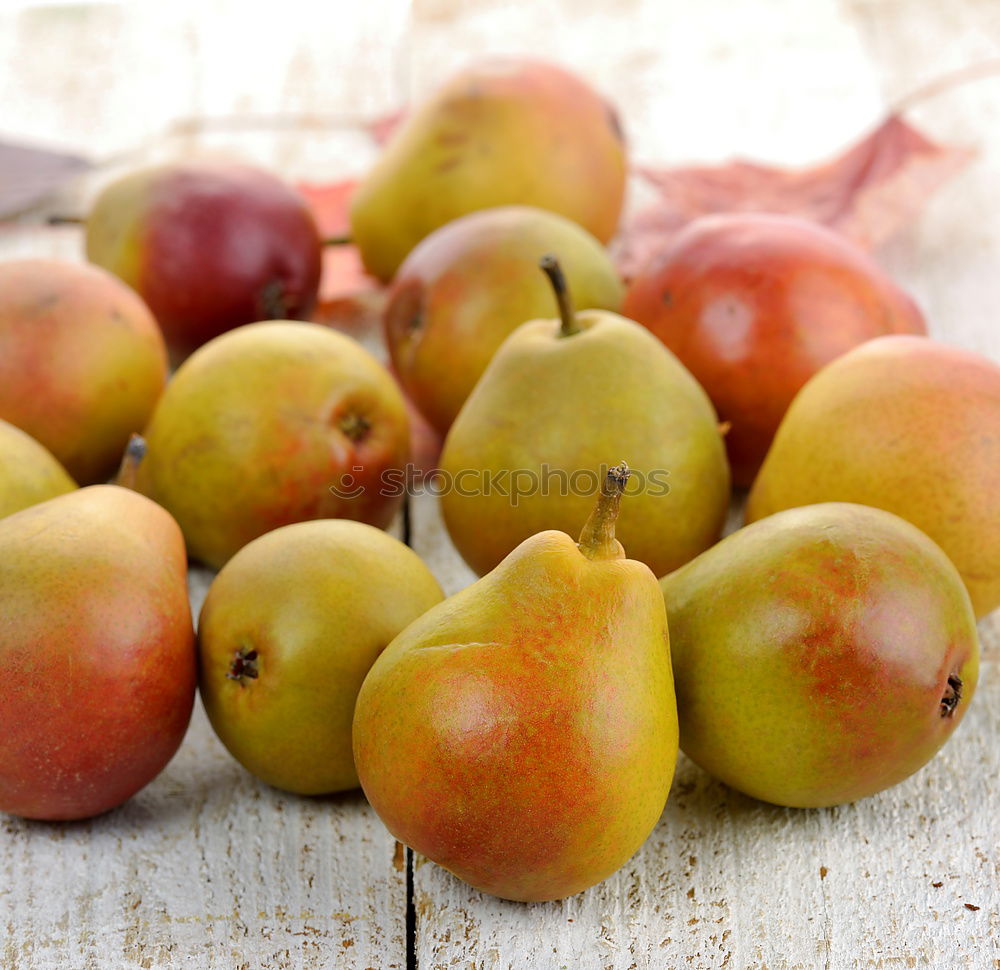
{"x": 504, "y": 131}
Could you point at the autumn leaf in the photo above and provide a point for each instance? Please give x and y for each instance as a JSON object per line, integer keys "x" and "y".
{"x": 868, "y": 192}
{"x": 382, "y": 128}
{"x": 349, "y": 298}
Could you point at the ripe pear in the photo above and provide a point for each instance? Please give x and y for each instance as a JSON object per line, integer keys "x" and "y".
{"x": 82, "y": 362}
{"x": 209, "y": 244}
{"x": 557, "y": 396}
{"x": 468, "y": 285}
{"x": 908, "y": 425}
{"x": 821, "y": 654}
{"x": 523, "y": 734}
{"x": 502, "y": 131}
{"x": 97, "y": 651}
{"x": 289, "y": 629}
{"x": 29, "y": 472}
{"x": 274, "y": 423}
{"x": 754, "y": 304}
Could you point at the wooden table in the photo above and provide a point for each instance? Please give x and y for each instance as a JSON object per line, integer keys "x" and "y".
{"x": 208, "y": 868}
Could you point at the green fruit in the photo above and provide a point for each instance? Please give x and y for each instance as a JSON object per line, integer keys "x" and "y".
{"x": 907, "y": 425}
{"x": 504, "y": 131}
{"x": 522, "y": 733}
{"x": 259, "y": 426}
{"x": 469, "y": 284}
{"x": 29, "y": 472}
{"x": 97, "y": 652}
{"x": 289, "y": 629}
{"x": 820, "y": 655}
{"x": 520, "y": 456}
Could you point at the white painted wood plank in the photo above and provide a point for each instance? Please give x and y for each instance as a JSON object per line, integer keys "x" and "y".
{"x": 726, "y": 881}
{"x": 910, "y": 877}
{"x": 205, "y": 867}
{"x": 208, "y": 868}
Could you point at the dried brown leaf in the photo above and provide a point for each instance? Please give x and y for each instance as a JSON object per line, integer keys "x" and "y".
{"x": 868, "y": 192}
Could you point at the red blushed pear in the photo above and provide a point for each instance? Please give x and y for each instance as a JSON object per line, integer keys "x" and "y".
{"x": 209, "y": 245}
{"x": 82, "y": 362}
{"x": 523, "y": 734}
{"x": 468, "y": 285}
{"x": 97, "y": 652}
{"x": 754, "y": 305}
{"x": 821, "y": 654}
{"x": 270, "y": 424}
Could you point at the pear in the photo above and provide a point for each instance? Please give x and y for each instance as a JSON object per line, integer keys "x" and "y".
{"x": 522, "y": 733}
{"x": 468, "y": 285}
{"x": 520, "y": 456}
{"x": 754, "y": 304}
{"x": 29, "y": 472}
{"x": 502, "y": 131}
{"x": 209, "y": 244}
{"x": 288, "y": 631}
{"x": 97, "y": 651}
{"x": 908, "y": 425}
{"x": 821, "y": 654}
{"x": 82, "y": 362}
{"x": 274, "y": 423}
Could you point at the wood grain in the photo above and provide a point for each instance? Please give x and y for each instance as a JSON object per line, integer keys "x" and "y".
{"x": 910, "y": 877}
{"x": 206, "y": 867}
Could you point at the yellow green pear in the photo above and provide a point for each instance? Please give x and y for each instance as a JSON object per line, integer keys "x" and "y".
{"x": 288, "y": 631}
{"x": 821, "y": 654}
{"x": 273, "y": 423}
{"x": 558, "y": 396}
{"x": 502, "y": 131}
{"x": 523, "y": 733}
{"x": 29, "y": 472}
{"x": 908, "y": 425}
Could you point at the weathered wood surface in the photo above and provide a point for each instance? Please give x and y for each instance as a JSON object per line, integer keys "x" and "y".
{"x": 207, "y": 868}
{"x": 907, "y": 878}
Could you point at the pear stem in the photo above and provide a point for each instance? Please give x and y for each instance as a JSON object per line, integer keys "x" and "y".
{"x": 128, "y": 470}
{"x": 597, "y": 540}
{"x": 551, "y": 268}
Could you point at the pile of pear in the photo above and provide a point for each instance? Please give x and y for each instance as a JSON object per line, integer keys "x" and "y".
{"x": 523, "y": 732}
